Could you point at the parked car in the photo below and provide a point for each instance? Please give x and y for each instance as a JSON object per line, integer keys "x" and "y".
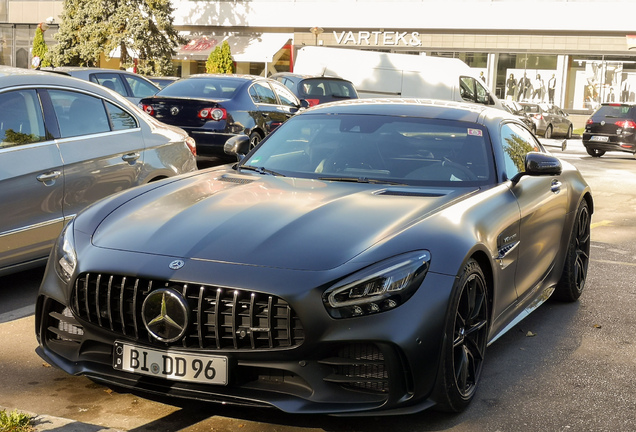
{"x": 352, "y": 263}
{"x": 215, "y": 107}
{"x": 128, "y": 84}
{"x": 317, "y": 89}
{"x": 612, "y": 127}
{"x": 162, "y": 81}
{"x": 64, "y": 144}
{"x": 549, "y": 120}
{"x": 517, "y": 110}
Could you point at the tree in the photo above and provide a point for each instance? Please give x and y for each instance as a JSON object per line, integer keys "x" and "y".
{"x": 220, "y": 60}
{"x": 39, "y": 47}
{"x": 143, "y": 27}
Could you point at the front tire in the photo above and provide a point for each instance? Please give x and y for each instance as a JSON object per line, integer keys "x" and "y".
{"x": 465, "y": 340}
{"x": 574, "y": 275}
{"x": 548, "y": 132}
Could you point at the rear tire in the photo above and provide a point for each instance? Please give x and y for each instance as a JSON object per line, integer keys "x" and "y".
{"x": 465, "y": 340}
{"x": 569, "y": 134}
{"x": 255, "y": 138}
{"x": 574, "y": 275}
{"x": 595, "y": 152}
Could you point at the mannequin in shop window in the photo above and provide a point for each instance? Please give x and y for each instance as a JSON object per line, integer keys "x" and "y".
{"x": 511, "y": 86}
{"x": 551, "y": 89}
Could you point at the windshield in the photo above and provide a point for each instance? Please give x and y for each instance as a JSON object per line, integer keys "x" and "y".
{"x": 376, "y": 148}
{"x": 203, "y": 88}
{"x": 327, "y": 87}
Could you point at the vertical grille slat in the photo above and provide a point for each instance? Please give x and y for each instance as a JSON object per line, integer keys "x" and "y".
{"x": 122, "y": 291}
{"x": 88, "y": 308}
{"x": 109, "y": 310}
{"x": 201, "y": 325}
{"x": 220, "y": 318}
{"x": 97, "y": 292}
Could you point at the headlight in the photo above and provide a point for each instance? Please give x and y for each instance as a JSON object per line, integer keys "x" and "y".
{"x": 65, "y": 258}
{"x": 378, "y": 288}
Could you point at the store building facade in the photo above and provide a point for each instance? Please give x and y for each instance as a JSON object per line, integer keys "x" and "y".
{"x": 581, "y": 58}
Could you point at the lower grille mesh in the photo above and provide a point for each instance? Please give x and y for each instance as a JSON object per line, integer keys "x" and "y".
{"x": 220, "y": 318}
{"x": 361, "y": 367}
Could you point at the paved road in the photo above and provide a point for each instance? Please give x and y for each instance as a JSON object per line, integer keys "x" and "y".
{"x": 567, "y": 367}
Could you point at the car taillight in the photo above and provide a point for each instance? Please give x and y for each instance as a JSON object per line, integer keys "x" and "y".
{"x": 148, "y": 109}
{"x": 192, "y": 145}
{"x": 589, "y": 121}
{"x": 626, "y": 124}
{"x": 212, "y": 114}
{"x": 538, "y": 116}
{"x": 312, "y": 102}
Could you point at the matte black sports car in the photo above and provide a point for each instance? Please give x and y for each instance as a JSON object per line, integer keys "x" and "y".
{"x": 215, "y": 107}
{"x": 359, "y": 260}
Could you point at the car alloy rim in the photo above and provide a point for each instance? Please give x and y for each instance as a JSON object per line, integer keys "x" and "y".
{"x": 582, "y": 248}
{"x": 469, "y": 336}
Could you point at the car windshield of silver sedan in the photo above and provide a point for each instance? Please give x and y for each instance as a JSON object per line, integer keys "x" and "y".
{"x": 377, "y": 149}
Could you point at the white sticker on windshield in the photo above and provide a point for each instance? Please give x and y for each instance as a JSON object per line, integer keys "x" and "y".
{"x": 475, "y": 132}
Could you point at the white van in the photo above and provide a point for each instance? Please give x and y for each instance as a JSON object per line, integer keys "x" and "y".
{"x": 379, "y": 74}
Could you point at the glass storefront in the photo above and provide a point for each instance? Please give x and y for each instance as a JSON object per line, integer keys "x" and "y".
{"x": 17, "y": 43}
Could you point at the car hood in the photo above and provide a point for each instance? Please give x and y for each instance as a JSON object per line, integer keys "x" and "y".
{"x": 268, "y": 221}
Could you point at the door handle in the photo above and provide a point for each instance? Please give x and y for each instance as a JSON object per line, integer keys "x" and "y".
{"x": 49, "y": 177}
{"x": 556, "y": 186}
{"x": 131, "y": 158}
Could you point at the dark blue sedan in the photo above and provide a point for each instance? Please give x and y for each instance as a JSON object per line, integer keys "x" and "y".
{"x": 213, "y": 108}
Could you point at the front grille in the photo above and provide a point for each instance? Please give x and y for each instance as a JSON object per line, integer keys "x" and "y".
{"x": 220, "y": 318}
{"x": 360, "y": 367}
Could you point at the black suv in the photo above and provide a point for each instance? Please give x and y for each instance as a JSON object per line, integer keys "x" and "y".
{"x": 317, "y": 89}
{"x": 612, "y": 127}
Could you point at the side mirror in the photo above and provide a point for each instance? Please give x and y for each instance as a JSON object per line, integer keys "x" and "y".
{"x": 540, "y": 164}
{"x": 238, "y": 146}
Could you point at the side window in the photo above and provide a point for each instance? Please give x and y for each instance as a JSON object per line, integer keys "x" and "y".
{"x": 119, "y": 118}
{"x": 483, "y": 96}
{"x": 467, "y": 88}
{"x": 140, "y": 87}
{"x": 110, "y": 80}
{"x": 286, "y": 97}
{"x": 21, "y": 119}
{"x": 78, "y": 114}
{"x": 516, "y": 142}
{"x": 262, "y": 93}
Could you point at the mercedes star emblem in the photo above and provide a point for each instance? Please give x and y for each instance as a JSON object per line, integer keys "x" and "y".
{"x": 165, "y": 315}
{"x": 174, "y": 111}
{"x": 176, "y": 264}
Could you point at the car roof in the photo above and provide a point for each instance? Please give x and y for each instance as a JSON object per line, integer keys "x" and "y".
{"x": 12, "y": 76}
{"x": 306, "y": 76}
{"x": 245, "y": 77}
{"x": 425, "y": 108}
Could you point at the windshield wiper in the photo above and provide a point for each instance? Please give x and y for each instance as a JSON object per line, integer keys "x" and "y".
{"x": 361, "y": 180}
{"x": 260, "y": 170}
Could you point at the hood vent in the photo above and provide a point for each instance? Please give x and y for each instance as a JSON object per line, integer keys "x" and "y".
{"x": 236, "y": 180}
{"x": 412, "y": 193}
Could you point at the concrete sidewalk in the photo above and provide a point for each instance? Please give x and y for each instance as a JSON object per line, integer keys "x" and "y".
{"x": 43, "y": 423}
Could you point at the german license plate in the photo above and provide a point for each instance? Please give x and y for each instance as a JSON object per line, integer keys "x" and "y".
{"x": 173, "y": 365}
{"x": 599, "y": 138}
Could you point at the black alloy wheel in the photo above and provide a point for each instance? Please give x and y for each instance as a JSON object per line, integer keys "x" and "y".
{"x": 595, "y": 152}
{"x": 577, "y": 259}
{"x": 466, "y": 339}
